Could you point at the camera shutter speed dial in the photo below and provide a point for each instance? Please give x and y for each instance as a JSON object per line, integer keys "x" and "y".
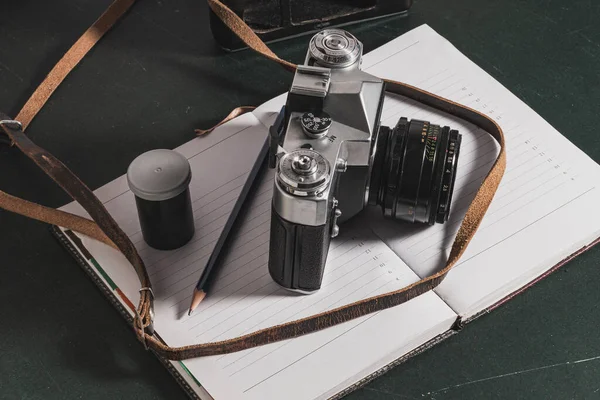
{"x": 303, "y": 172}
{"x": 315, "y": 124}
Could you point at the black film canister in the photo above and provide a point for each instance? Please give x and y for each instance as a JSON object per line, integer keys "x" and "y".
{"x": 160, "y": 180}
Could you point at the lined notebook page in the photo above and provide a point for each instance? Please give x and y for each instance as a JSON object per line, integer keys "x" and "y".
{"x": 546, "y": 206}
{"x": 245, "y": 299}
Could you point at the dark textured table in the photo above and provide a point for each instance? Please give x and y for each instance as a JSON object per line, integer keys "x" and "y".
{"x": 158, "y": 75}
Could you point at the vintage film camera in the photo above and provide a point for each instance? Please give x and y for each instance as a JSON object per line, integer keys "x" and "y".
{"x": 333, "y": 158}
{"x": 279, "y": 19}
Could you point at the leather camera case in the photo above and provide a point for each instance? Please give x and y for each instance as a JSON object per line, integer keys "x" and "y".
{"x": 279, "y": 19}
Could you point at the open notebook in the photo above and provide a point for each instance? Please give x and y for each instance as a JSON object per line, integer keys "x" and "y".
{"x": 543, "y": 213}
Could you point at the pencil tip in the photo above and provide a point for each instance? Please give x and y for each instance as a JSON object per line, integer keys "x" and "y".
{"x": 196, "y": 300}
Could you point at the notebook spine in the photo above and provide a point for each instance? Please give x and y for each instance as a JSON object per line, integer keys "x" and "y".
{"x": 108, "y": 293}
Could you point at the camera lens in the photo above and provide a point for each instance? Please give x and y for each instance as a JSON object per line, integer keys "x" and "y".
{"x": 414, "y": 170}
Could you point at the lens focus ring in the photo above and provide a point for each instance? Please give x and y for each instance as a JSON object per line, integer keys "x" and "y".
{"x": 414, "y": 171}
{"x": 397, "y": 146}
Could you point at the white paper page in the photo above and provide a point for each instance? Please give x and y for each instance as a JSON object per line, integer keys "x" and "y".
{"x": 220, "y": 163}
{"x": 544, "y": 209}
{"x": 245, "y": 299}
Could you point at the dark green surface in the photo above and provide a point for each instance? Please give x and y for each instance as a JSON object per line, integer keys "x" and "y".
{"x": 157, "y": 76}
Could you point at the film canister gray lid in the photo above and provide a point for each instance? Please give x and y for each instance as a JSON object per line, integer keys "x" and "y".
{"x": 159, "y": 175}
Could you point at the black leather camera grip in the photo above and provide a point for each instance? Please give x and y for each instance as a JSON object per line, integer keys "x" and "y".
{"x": 297, "y": 253}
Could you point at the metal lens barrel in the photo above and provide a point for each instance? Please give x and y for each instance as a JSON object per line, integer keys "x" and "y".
{"x": 414, "y": 170}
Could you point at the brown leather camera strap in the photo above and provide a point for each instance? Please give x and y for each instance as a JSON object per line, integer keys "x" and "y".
{"x": 104, "y": 228}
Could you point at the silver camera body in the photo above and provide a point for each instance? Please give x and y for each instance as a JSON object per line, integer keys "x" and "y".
{"x": 332, "y": 114}
{"x": 333, "y": 158}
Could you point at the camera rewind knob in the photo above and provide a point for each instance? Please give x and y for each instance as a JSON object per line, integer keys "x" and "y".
{"x": 335, "y": 48}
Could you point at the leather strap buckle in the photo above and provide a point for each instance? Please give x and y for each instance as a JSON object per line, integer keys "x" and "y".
{"x": 150, "y": 328}
{"x": 11, "y": 124}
